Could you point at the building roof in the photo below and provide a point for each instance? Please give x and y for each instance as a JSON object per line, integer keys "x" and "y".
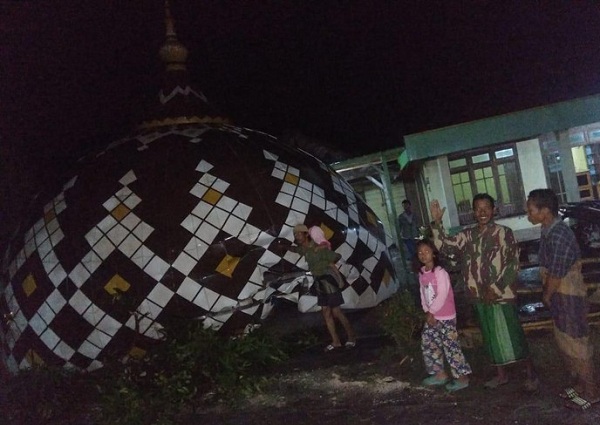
{"x": 502, "y": 128}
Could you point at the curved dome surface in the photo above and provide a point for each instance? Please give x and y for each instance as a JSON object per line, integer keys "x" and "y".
{"x": 177, "y": 221}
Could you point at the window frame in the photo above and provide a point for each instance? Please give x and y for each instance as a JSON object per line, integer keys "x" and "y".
{"x": 518, "y": 198}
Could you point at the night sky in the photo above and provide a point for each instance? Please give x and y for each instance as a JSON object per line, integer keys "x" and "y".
{"x": 354, "y": 75}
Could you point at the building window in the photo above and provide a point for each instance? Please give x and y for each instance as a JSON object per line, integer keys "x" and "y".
{"x": 494, "y": 171}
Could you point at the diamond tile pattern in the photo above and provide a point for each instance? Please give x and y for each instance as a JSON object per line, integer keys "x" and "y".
{"x": 181, "y": 221}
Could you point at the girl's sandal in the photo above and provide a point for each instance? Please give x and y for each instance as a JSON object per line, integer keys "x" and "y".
{"x": 568, "y": 393}
{"x": 579, "y": 403}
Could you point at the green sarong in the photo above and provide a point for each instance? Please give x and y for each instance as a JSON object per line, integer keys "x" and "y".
{"x": 502, "y": 333}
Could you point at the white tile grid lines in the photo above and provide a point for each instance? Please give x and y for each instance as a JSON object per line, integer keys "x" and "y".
{"x": 205, "y": 222}
{"x": 298, "y": 198}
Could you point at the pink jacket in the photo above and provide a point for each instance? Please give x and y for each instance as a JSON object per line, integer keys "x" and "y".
{"x": 437, "y": 296}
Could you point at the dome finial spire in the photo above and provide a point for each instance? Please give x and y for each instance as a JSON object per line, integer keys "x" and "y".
{"x": 172, "y": 53}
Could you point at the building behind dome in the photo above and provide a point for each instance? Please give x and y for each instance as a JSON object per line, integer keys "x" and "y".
{"x": 187, "y": 217}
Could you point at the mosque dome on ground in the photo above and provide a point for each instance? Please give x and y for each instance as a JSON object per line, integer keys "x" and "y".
{"x": 187, "y": 217}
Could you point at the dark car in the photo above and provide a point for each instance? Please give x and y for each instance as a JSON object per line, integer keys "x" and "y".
{"x": 584, "y": 219}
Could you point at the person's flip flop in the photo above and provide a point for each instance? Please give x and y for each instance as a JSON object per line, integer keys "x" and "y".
{"x": 330, "y": 348}
{"x": 494, "y": 383}
{"x": 568, "y": 393}
{"x": 350, "y": 344}
{"x": 433, "y": 381}
{"x": 580, "y": 403}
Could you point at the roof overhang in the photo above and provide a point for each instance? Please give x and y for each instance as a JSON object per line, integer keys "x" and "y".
{"x": 365, "y": 165}
{"x": 502, "y": 128}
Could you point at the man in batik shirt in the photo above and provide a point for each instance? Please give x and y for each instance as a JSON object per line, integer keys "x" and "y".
{"x": 565, "y": 294}
{"x": 489, "y": 258}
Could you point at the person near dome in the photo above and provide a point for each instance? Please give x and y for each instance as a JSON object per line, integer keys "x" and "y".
{"x": 321, "y": 260}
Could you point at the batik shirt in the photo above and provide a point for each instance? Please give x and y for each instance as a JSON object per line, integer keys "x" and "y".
{"x": 558, "y": 248}
{"x": 489, "y": 258}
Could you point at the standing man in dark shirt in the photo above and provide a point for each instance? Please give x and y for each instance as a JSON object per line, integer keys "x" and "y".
{"x": 409, "y": 229}
{"x": 565, "y": 293}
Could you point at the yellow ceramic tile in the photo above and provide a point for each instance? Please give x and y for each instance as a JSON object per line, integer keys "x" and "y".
{"x": 228, "y": 265}
{"x": 29, "y": 284}
{"x": 371, "y": 218}
{"x": 49, "y": 216}
{"x": 386, "y": 278}
{"x": 212, "y": 196}
{"x": 120, "y": 211}
{"x": 33, "y": 358}
{"x": 327, "y": 231}
{"x": 117, "y": 282}
{"x": 290, "y": 178}
{"x": 137, "y": 352}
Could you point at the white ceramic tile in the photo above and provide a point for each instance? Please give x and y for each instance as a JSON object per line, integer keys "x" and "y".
{"x": 207, "y": 180}
{"x": 269, "y": 155}
{"x": 278, "y": 173}
{"x": 184, "y": 263}
{"x": 233, "y": 226}
{"x": 288, "y": 188}
{"x": 130, "y": 245}
{"x": 128, "y": 178}
{"x": 249, "y": 234}
{"x": 80, "y": 302}
{"x": 284, "y": 199}
{"x": 56, "y": 301}
{"x": 143, "y": 231}
{"x": 132, "y": 201}
{"x": 111, "y": 203}
{"x": 202, "y": 209}
{"x": 196, "y": 248}
{"x": 91, "y": 261}
{"x": 206, "y": 298}
{"x": 123, "y": 194}
{"x": 226, "y": 203}
{"x": 46, "y": 313}
{"x": 191, "y": 223}
{"x": 156, "y": 268}
{"x": 217, "y": 217}
{"x": 189, "y": 289}
{"x": 50, "y": 338}
{"x": 104, "y": 248}
{"x": 44, "y": 248}
{"x": 304, "y": 184}
{"x": 93, "y": 236}
{"x": 204, "y": 166}
{"x": 57, "y": 275}
{"x": 150, "y": 309}
{"x": 99, "y": 338}
{"x": 106, "y": 223}
{"x": 318, "y": 202}
{"x": 207, "y": 232}
{"x": 198, "y": 190}
{"x": 242, "y": 211}
{"x": 117, "y": 234}
{"x": 64, "y": 351}
{"x": 52, "y": 225}
{"x": 89, "y": 350}
{"x": 293, "y": 170}
{"x": 160, "y": 295}
{"x": 109, "y": 325}
{"x": 300, "y": 205}
{"x": 93, "y": 314}
{"x": 142, "y": 256}
{"x": 41, "y": 235}
{"x": 303, "y": 194}
{"x": 37, "y": 324}
{"x": 130, "y": 221}
{"x": 56, "y": 237}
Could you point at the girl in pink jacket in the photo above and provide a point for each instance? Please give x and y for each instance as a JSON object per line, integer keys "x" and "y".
{"x": 439, "y": 337}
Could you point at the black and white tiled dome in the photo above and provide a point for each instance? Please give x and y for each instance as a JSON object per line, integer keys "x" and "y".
{"x": 185, "y": 218}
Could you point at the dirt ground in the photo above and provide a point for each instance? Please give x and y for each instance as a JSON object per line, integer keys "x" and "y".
{"x": 373, "y": 384}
